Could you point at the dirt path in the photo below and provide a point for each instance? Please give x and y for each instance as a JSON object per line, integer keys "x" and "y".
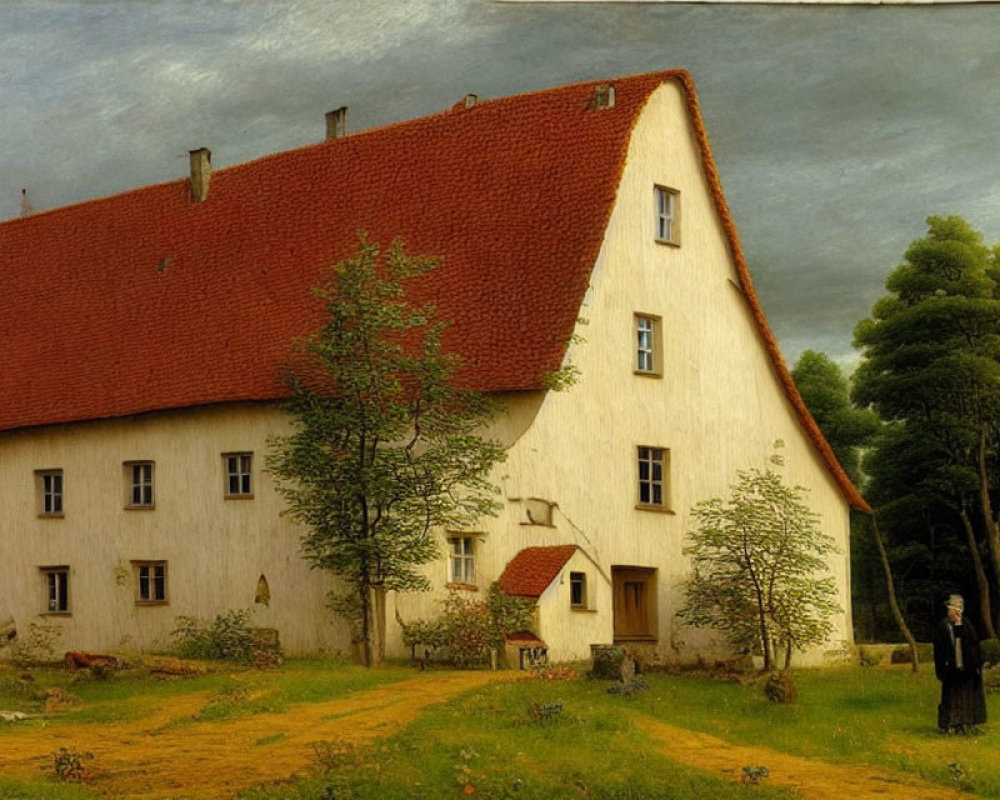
{"x": 813, "y": 779}
{"x": 165, "y": 755}
{"x": 157, "y": 758}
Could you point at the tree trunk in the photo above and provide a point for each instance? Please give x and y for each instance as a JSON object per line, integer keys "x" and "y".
{"x": 367, "y": 651}
{"x": 982, "y": 582}
{"x": 891, "y": 590}
{"x": 992, "y": 527}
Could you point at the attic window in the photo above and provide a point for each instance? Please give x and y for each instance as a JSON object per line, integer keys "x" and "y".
{"x": 603, "y": 97}
{"x": 667, "y": 212}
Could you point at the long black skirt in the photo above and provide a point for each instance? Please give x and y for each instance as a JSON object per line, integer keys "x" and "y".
{"x": 963, "y": 701}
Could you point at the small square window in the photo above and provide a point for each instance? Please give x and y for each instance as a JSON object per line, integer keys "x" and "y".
{"x": 238, "y": 474}
{"x": 150, "y": 582}
{"x": 578, "y": 590}
{"x": 139, "y": 484}
{"x": 56, "y": 590}
{"x": 648, "y": 345}
{"x": 653, "y": 465}
{"x": 462, "y": 559}
{"x": 667, "y": 214}
{"x": 49, "y": 492}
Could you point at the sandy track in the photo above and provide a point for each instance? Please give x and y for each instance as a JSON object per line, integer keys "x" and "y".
{"x": 167, "y": 756}
{"x": 812, "y": 778}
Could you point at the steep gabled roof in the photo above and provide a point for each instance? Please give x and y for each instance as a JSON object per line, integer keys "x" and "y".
{"x": 147, "y": 301}
{"x": 531, "y": 571}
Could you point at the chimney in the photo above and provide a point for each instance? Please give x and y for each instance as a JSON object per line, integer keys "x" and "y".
{"x": 336, "y": 123}
{"x": 471, "y": 100}
{"x": 201, "y": 173}
{"x": 603, "y": 97}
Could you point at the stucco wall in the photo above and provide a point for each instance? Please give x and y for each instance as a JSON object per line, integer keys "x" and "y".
{"x": 216, "y": 548}
{"x": 717, "y": 406}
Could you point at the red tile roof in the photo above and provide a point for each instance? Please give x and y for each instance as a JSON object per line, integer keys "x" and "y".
{"x": 147, "y": 301}
{"x": 530, "y": 572}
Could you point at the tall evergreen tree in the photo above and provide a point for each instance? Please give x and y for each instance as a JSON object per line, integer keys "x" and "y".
{"x": 384, "y": 449}
{"x": 931, "y": 368}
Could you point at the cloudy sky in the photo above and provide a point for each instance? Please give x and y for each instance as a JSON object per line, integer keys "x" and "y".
{"x": 837, "y": 130}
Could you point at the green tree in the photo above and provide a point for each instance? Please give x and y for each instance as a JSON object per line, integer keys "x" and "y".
{"x": 757, "y": 563}
{"x": 825, "y": 391}
{"x": 931, "y": 368}
{"x": 384, "y": 449}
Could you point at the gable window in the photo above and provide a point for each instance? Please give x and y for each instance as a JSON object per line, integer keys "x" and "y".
{"x": 238, "y": 474}
{"x": 653, "y": 465}
{"x": 139, "y": 484}
{"x": 56, "y": 589}
{"x": 49, "y": 491}
{"x": 578, "y": 590}
{"x": 667, "y": 208}
{"x": 461, "y": 559}
{"x": 647, "y": 345}
{"x": 150, "y": 582}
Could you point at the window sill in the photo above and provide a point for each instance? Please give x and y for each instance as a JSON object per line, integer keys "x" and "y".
{"x": 582, "y": 610}
{"x": 152, "y": 602}
{"x": 655, "y": 509}
{"x": 43, "y": 515}
{"x": 668, "y": 242}
{"x": 238, "y": 496}
{"x": 55, "y": 614}
{"x": 462, "y": 587}
{"x": 140, "y": 508}
{"x": 645, "y": 373}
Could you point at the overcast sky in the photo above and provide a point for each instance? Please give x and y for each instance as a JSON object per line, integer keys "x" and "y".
{"x": 837, "y": 130}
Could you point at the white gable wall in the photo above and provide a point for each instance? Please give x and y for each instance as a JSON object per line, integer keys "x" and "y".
{"x": 718, "y": 407}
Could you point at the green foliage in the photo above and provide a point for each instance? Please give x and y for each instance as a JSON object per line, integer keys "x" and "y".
{"x": 931, "y": 369}
{"x": 756, "y": 560}
{"x": 68, "y": 766}
{"x": 780, "y": 688}
{"x": 227, "y": 638}
{"x": 469, "y": 628}
{"x": 384, "y": 447}
{"x": 824, "y": 390}
{"x": 545, "y": 712}
{"x": 627, "y": 688}
{"x": 607, "y": 662}
{"x": 990, "y": 649}
{"x": 868, "y": 657}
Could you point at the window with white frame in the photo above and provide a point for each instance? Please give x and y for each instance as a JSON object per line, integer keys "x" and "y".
{"x": 648, "y": 347}
{"x": 461, "y": 559}
{"x": 56, "y": 581}
{"x": 139, "y": 484}
{"x": 238, "y": 474}
{"x": 578, "y": 590}
{"x": 667, "y": 212}
{"x": 150, "y": 582}
{"x": 653, "y": 465}
{"x": 49, "y": 492}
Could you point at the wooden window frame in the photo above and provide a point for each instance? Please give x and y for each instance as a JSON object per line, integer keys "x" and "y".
{"x": 655, "y": 490}
{"x": 648, "y": 344}
{"x": 150, "y": 579}
{"x": 145, "y": 488}
{"x": 50, "y": 499}
{"x": 243, "y": 477}
{"x": 56, "y": 591}
{"x": 462, "y": 563}
{"x": 667, "y": 205}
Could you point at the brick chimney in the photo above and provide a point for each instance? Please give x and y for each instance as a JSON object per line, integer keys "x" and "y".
{"x": 336, "y": 123}
{"x": 201, "y": 173}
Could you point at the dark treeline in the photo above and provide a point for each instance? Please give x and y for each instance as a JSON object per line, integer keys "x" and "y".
{"x": 918, "y": 429}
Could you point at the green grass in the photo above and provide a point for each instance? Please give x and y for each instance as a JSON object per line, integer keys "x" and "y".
{"x": 491, "y": 741}
{"x": 510, "y": 741}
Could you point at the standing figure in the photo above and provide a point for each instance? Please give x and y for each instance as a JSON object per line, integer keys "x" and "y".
{"x": 958, "y": 665}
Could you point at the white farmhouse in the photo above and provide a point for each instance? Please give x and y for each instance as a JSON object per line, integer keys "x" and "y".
{"x": 144, "y": 337}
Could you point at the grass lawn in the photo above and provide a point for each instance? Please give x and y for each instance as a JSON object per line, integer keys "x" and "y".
{"x": 552, "y": 739}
